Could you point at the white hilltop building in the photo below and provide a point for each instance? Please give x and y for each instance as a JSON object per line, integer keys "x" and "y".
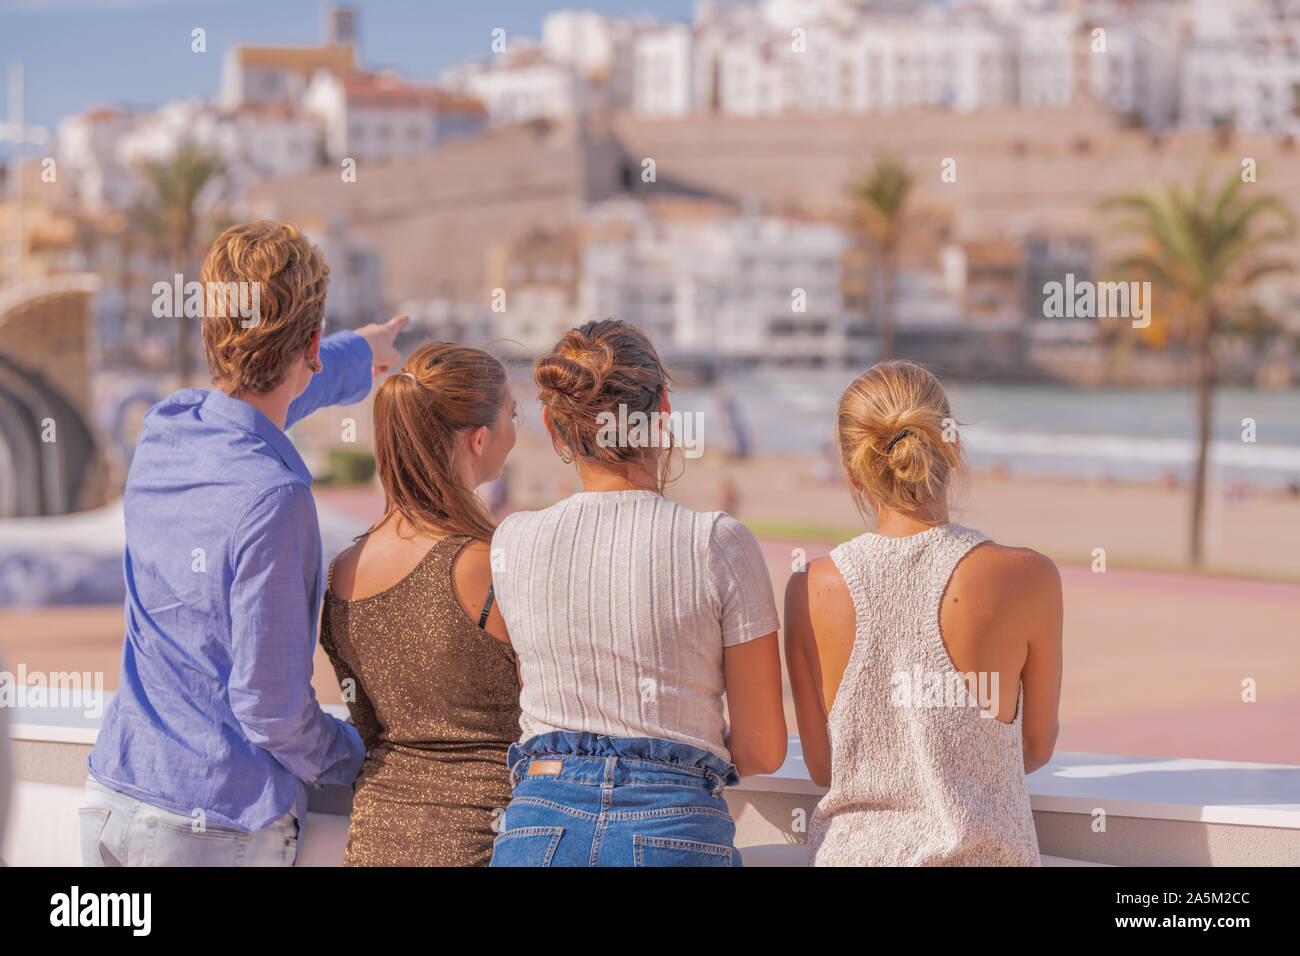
{"x": 699, "y": 278}
{"x": 86, "y": 147}
{"x": 664, "y": 60}
{"x": 600, "y": 49}
{"x": 256, "y": 75}
{"x": 380, "y": 117}
{"x": 103, "y": 152}
{"x": 1198, "y": 62}
{"x": 839, "y": 56}
{"x": 1241, "y": 66}
{"x": 1137, "y": 74}
{"x": 522, "y": 84}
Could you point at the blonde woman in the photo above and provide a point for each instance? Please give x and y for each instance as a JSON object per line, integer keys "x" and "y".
{"x": 924, "y": 659}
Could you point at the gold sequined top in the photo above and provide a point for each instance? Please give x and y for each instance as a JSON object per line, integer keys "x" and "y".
{"x": 436, "y": 701}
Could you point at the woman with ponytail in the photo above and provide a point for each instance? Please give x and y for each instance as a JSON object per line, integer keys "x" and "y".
{"x": 420, "y": 650}
{"x": 925, "y": 660}
{"x": 632, "y": 616}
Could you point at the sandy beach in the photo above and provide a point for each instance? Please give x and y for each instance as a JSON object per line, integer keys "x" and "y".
{"x": 1156, "y": 655}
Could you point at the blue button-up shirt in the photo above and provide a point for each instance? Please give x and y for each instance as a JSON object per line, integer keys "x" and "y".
{"x": 215, "y": 710}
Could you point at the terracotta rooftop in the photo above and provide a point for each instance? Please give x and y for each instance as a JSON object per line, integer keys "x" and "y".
{"x": 373, "y": 90}
{"x": 305, "y": 59}
{"x": 103, "y": 113}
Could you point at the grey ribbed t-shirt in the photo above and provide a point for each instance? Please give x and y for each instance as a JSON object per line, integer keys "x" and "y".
{"x": 619, "y": 604}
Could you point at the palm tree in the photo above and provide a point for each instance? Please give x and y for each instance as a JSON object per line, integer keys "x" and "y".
{"x": 1203, "y": 247}
{"x": 879, "y": 200}
{"x": 173, "y": 220}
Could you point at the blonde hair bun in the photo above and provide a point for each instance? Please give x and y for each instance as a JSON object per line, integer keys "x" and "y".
{"x": 897, "y": 438}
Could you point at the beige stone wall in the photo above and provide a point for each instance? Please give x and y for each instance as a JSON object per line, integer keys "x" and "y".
{"x": 1018, "y": 171}
{"x": 435, "y": 218}
{"x": 50, "y": 334}
{"x": 46, "y": 328}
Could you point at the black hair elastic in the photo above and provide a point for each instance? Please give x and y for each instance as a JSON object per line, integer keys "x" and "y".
{"x": 893, "y": 441}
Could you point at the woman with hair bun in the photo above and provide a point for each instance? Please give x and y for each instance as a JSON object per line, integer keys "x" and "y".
{"x": 924, "y": 659}
{"x": 631, "y": 616}
{"x": 409, "y": 624}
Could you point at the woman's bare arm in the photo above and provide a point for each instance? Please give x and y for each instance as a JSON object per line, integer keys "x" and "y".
{"x": 1043, "y": 621}
{"x": 804, "y": 664}
{"x": 820, "y": 626}
{"x": 757, "y": 736}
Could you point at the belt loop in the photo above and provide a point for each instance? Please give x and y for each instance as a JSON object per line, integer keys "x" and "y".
{"x": 714, "y": 780}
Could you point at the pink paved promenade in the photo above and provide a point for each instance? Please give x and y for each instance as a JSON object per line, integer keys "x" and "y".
{"x": 1154, "y": 661}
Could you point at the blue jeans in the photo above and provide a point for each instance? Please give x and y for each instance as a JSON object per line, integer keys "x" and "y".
{"x": 119, "y": 830}
{"x": 589, "y": 800}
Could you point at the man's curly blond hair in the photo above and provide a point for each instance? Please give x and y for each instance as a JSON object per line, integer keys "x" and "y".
{"x": 292, "y": 278}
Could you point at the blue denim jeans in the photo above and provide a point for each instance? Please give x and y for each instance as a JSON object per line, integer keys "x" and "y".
{"x": 589, "y": 800}
{"x": 119, "y": 830}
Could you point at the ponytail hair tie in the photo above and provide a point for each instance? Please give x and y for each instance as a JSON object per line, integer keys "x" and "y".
{"x": 409, "y": 375}
{"x": 893, "y": 441}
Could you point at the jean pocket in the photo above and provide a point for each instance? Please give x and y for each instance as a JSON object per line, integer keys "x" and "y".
{"x": 169, "y": 843}
{"x": 91, "y": 822}
{"x": 526, "y": 846}
{"x": 674, "y": 851}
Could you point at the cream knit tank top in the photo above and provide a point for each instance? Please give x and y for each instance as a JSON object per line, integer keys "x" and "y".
{"x": 920, "y": 774}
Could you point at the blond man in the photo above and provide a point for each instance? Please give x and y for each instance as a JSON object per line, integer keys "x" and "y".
{"x": 207, "y": 750}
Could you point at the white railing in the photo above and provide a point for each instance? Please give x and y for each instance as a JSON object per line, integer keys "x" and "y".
{"x": 1089, "y": 809}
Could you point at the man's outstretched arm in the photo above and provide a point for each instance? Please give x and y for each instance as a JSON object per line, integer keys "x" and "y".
{"x": 349, "y": 362}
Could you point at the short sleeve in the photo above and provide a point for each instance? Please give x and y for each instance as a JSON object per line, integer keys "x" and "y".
{"x": 739, "y": 580}
{"x": 498, "y": 548}
{"x": 502, "y": 559}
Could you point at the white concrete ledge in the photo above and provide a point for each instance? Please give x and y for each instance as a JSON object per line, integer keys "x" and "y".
{"x": 1089, "y": 809}
{"x": 1160, "y": 788}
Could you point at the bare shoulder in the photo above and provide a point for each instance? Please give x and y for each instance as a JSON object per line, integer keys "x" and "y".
{"x": 475, "y": 561}
{"x": 819, "y": 595}
{"x": 344, "y": 570}
{"x": 348, "y": 557}
{"x": 824, "y": 578}
{"x": 993, "y": 568}
{"x": 818, "y": 578}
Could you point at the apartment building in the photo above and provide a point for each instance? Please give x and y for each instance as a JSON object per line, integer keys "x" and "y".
{"x": 700, "y": 278}
{"x": 379, "y": 117}
{"x": 521, "y": 85}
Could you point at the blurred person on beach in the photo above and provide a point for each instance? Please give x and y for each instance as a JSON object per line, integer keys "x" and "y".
{"x": 498, "y": 495}
{"x": 924, "y": 659}
{"x": 825, "y": 466}
{"x": 206, "y": 751}
{"x": 729, "y": 496}
{"x": 410, "y": 625}
{"x": 631, "y": 616}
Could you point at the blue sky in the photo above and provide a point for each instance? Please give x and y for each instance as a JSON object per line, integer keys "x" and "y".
{"x": 84, "y": 53}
